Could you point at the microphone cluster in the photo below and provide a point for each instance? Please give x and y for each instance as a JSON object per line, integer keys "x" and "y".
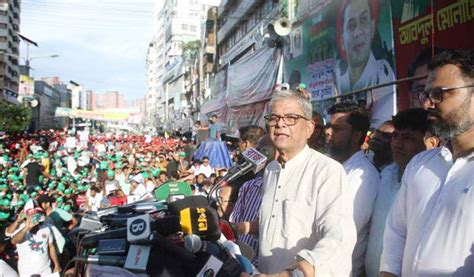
{"x": 181, "y": 238}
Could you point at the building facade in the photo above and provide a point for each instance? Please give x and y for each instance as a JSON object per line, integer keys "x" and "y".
{"x": 43, "y": 115}
{"x": 9, "y": 46}
{"x": 173, "y": 63}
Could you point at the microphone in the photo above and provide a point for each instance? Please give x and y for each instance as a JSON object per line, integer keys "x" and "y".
{"x": 102, "y": 260}
{"x": 141, "y": 207}
{"x": 197, "y": 217}
{"x": 202, "y": 263}
{"x": 245, "y": 263}
{"x": 91, "y": 240}
{"x": 253, "y": 161}
{"x": 166, "y": 226}
{"x": 192, "y": 243}
{"x": 186, "y": 257}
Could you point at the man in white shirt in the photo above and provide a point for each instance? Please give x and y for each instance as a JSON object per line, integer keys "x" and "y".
{"x": 205, "y": 168}
{"x": 407, "y": 140}
{"x": 35, "y": 245}
{"x": 345, "y": 135}
{"x": 305, "y": 223}
{"x": 430, "y": 228}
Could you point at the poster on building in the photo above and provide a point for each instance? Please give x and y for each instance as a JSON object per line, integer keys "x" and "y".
{"x": 27, "y": 86}
{"x": 420, "y": 30}
{"x": 345, "y": 46}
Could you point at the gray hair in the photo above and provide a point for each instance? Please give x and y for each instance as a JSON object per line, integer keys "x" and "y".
{"x": 303, "y": 101}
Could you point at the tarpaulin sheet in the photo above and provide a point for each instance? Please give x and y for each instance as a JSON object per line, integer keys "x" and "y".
{"x": 217, "y": 152}
{"x": 251, "y": 114}
{"x": 253, "y": 78}
{"x": 218, "y": 93}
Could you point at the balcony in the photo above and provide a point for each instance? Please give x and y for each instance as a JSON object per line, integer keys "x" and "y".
{"x": 234, "y": 18}
{"x": 225, "y": 4}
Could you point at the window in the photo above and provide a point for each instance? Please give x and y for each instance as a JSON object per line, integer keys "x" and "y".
{"x": 3, "y": 26}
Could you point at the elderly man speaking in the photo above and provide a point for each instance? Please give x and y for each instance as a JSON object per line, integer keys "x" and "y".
{"x": 305, "y": 224}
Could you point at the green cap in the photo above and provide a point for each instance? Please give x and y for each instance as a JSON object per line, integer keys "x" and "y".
{"x": 33, "y": 194}
{"x": 53, "y": 172}
{"x": 9, "y": 196}
{"x": 67, "y": 208}
{"x": 119, "y": 165}
{"x": 103, "y": 165}
{"x": 60, "y": 187}
{"x": 145, "y": 175}
{"x": 59, "y": 200}
{"x": 37, "y": 188}
{"x": 24, "y": 197}
{"x": 182, "y": 154}
{"x": 110, "y": 173}
{"x": 38, "y": 155}
{"x": 80, "y": 188}
{"x": 20, "y": 203}
{"x": 45, "y": 155}
{"x": 4, "y": 216}
{"x": 51, "y": 185}
{"x": 155, "y": 172}
{"x": 3, "y": 187}
{"x": 4, "y": 202}
{"x": 67, "y": 191}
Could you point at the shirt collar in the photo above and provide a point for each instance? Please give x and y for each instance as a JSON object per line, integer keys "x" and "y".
{"x": 446, "y": 153}
{"x": 355, "y": 157}
{"x": 295, "y": 161}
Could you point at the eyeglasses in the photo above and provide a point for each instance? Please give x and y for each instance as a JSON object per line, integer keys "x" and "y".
{"x": 288, "y": 119}
{"x": 436, "y": 95}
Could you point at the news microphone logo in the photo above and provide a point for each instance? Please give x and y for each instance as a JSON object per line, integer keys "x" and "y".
{"x": 138, "y": 228}
{"x": 256, "y": 158}
{"x": 202, "y": 219}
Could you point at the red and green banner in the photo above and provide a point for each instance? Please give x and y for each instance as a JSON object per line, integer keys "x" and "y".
{"x": 418, "y": 26}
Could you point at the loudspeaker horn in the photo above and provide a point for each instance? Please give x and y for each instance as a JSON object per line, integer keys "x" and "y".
{"x": 282, "y": 27}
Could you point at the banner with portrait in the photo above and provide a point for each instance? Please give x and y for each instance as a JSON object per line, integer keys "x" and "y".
{"x": 27, "y": 86}
{"x": 340, "y": 46}
{"x": 420, "y": 28}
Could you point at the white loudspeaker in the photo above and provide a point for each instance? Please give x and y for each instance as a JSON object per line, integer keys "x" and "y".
{"x": 34, "y": 103}
{"x": 282, "y": 27}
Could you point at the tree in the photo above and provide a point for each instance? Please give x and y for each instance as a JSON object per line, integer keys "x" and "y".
{"x": 191, "y": 48}
{"x": 14, "y": 118}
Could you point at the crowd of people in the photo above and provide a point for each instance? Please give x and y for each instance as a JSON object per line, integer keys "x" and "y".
{"x": 335, "y": 198}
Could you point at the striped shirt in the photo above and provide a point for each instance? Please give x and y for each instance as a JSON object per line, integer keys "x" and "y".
{"x": 247, "y": 209}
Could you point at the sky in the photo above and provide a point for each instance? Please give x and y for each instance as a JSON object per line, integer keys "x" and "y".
{"x": 102, "y": 44}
